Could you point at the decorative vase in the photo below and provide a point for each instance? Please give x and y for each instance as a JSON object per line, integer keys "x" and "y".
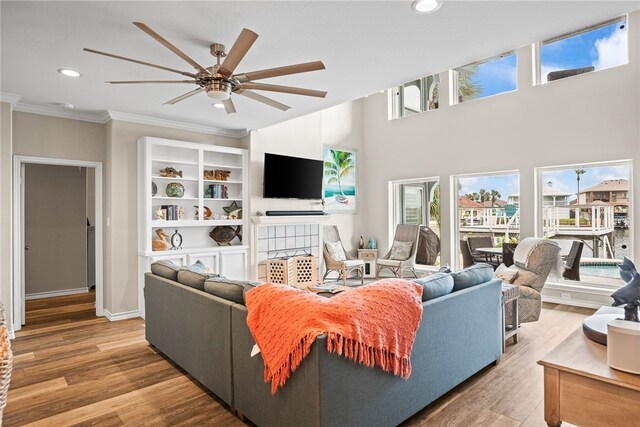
{"x": 175, "y": 189}
{"x": 361, "y": 243}
{"x": 372, "y": 244}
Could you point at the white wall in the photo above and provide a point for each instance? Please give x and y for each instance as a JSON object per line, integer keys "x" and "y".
{"x": 305, "y": 137}
{"x": 588, "y": 118}
{"x": 121, "y": 198}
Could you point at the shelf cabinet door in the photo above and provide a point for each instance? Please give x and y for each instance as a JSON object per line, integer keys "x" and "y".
{"x": 233, "y": 264}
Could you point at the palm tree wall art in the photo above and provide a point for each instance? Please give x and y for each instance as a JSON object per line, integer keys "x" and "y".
{"x": 339, "y": 181}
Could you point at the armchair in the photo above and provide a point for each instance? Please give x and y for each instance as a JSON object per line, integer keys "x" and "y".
{"x": 405, "y": 233}
{"x": 342, "y": 266}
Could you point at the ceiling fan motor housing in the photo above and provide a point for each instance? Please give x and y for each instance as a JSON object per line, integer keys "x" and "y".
{"x": 219, "y": 90}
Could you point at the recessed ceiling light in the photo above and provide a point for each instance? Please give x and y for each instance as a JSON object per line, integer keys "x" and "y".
{"x": 426, "y": 6}
{"x": 218, "y": 105}
{"x": 64, "y": 105}
{"x": 68, "y": 73}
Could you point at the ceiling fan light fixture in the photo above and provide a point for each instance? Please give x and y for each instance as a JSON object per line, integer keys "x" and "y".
{"x": 219, "y": 90}
{"x": 426, "y": 6}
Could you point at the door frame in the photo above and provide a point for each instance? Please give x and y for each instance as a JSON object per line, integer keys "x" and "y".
{"x": 18, "y": 291}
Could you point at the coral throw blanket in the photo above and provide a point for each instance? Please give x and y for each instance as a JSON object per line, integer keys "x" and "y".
{"x": 374, "y": 325}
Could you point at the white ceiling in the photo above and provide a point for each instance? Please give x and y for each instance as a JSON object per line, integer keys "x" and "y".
{"x": 366, "y": 47}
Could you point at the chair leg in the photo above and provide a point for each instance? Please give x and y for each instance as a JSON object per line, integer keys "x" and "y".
{"x": 326, "y": 273}
{"x": 400, "y": 275}
{"x": 344, "y": 277}
{"x": 361, "y": 270}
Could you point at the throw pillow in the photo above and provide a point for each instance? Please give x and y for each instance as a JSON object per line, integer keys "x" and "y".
{"x": 472, "y": 276}
{"x": 336, "y": 251}
{"x": 166, "y": 269}
{"x": 436, "y": 285}
{"x": 400, "y": 251}
{"x": 194, "y": 276}
{"x": 506, "y": 274}
{"x": 231, "y": 290}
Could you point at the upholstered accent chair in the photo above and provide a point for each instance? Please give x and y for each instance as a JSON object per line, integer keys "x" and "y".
{"x": 344, "y": 264}
{"x": 407, "y": 236}
{"x": 534, "y": 259}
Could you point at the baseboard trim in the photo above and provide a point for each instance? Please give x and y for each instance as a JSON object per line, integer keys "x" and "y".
{"x": 50, "y": 294}
{"x": 121, "y": 316}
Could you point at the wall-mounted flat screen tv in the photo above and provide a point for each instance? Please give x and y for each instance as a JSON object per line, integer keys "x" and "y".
{"x": 287, "y": 177}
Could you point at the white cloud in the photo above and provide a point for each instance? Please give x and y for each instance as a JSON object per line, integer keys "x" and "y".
{"x": 611, "y": 50}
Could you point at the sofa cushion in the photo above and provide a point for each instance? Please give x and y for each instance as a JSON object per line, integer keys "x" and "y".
{"x": 231, "y": 290}
{"x": 436, "y": 285}
{"x": 400, "y": 251}
{"x": 472, "y": 276}
{"x": 195, "y": 275}
{"x": 336, "y": 251}
{"x": 166, "y": 269}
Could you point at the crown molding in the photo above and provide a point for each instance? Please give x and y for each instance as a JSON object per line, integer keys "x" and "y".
{"x": 211, "y": 130}
{"x": 94, "y": 117}
{"x": 10, "y": 98}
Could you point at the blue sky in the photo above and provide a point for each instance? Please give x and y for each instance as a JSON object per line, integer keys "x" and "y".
{"x": 603, "y": 48}
{"x": 564, "y": 180}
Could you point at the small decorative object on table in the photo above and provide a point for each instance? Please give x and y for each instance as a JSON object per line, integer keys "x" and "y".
{"x": 170, "y": 172}
{"x": 175, "y": 189}
{"x": 224, "y": 234}
{"x": 176, "y": 240}
{"x": 372, "y": 243}
{"x": 160, "y": 244}
{"x": 361, "y": 243}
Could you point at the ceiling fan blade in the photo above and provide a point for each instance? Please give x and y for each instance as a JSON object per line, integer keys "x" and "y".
{"x": 144, "y": 27}
{"x": 281, "y": 71}
{"x": 135, "y": 61}
{"x": 126, "y": 82}
{"x": 284, "y": 89}
{"x": 239, "y": 49}
{"x": 185, "y": 96}
{"x": 263, "y": 99}
{"x": 228, "y": 106}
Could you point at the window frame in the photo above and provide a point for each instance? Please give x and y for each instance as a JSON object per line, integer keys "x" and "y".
{"x": 396, "y": 96}
{"x": 455, "y": 82}
{"x": 538, "y": 215}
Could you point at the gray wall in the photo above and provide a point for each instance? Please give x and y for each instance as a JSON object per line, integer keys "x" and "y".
{"x": 55, "y": 212}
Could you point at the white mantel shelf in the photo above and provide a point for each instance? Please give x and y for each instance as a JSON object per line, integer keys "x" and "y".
{"x": 289, "y": 219}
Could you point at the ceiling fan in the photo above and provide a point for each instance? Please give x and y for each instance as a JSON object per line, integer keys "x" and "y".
{"x": 218, "y": 81}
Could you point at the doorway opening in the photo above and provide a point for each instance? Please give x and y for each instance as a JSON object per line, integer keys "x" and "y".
{"x": 58, "y": 234}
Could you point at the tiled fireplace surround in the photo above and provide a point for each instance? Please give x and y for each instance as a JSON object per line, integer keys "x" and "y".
{"x": 278, "y": 241}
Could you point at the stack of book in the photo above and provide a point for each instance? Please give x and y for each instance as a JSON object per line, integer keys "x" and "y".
{"x": 218, "y": 191}
{"x": 170, "y": 212}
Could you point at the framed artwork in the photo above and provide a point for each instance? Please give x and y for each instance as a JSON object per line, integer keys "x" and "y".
{"x": 340, "y": 183}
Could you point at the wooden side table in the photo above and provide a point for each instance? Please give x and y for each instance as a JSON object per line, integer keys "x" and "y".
{"x": 369, "y": 256}
{"x": 510, "y": 295}
{"x": 580, "y": 387}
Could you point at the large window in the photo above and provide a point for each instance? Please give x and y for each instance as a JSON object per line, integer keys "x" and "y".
{"x": 592, "y": 48}
{"x": 488, "y": 214}
{"x": 416, "y": 96}
{"x": 588, "y": 205}
{"x": 417, "y": 201}
{"x": 486, "y": 78}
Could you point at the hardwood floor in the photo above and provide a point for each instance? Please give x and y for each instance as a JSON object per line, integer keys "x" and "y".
{"x": 72, "y": 368}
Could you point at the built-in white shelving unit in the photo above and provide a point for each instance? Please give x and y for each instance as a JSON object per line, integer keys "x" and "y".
{"x": 192, "y": 160}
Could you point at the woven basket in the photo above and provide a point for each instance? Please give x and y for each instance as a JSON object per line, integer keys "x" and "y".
{"x": 6, "y": 365}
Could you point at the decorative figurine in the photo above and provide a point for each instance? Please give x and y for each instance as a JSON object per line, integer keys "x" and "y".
{"x": 237, "y": 214}
{"x": 224, "y": 234}
{"x": 217, "y": 175}
{"x": 176, "y": 240}
{"x": 170, "y": 172}
{"x": 175, "y": 189}
{"x": 361, "y": 243}
{"x": 159, "y": 214}
{"x": 207, "y": 212}
{"x": 154, "y": 189}
{"x": 181, "y": 213}
{"x": 628, "y": 295}
{"x": 160, "y": 244}
{"x": 233, "y": 208}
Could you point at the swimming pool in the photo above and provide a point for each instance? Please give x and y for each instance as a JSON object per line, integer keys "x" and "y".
{"x": 601, "y": 270}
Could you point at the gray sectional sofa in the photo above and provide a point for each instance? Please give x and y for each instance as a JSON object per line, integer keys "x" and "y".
{"x": 460, "y": 334}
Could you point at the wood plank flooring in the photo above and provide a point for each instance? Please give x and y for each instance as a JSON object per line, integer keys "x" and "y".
{"x": 72, "y": 368}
